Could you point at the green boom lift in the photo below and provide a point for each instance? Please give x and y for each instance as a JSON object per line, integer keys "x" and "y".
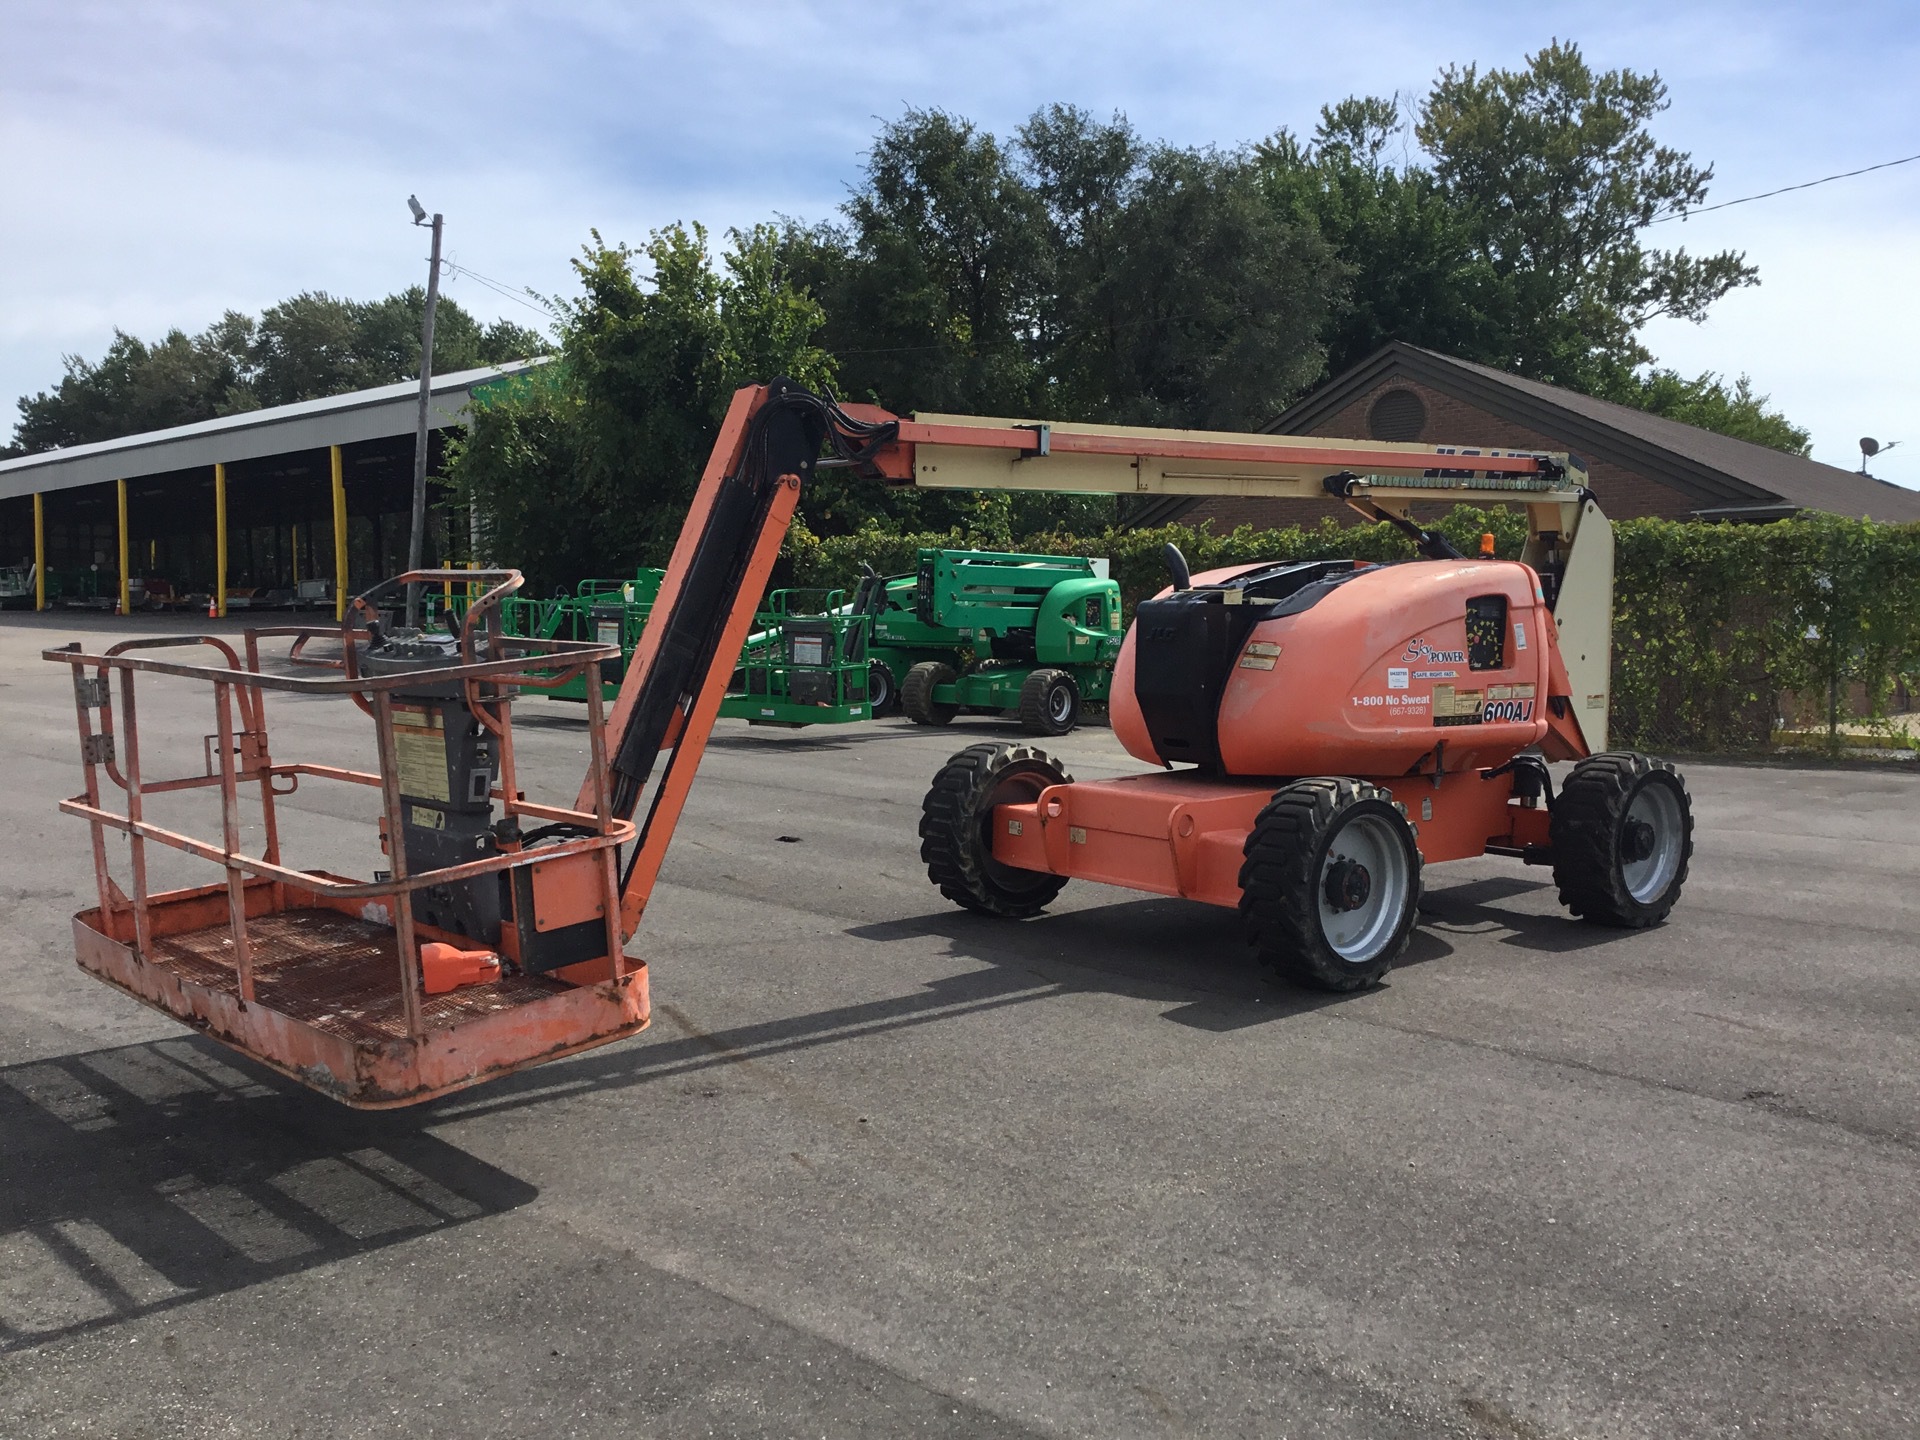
{"x": 980, "y": 631}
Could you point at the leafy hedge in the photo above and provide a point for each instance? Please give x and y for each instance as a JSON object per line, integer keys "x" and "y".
{"x": 1720, "y": 631}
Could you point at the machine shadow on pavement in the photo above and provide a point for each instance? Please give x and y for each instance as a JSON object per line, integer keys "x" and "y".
{"x": 1191, "y": 957}
{"x": 144, "y": 1177}
{"x": 1472, "y": 908}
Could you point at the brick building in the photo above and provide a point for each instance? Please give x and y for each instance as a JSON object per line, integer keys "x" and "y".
{"x": 1639, "y": 464}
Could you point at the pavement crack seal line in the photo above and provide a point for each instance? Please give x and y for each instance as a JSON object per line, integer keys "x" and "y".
{"x": 1765, "y": 1100}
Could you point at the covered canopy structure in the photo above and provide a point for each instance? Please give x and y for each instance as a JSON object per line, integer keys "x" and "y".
{"x": 305, "y": 500}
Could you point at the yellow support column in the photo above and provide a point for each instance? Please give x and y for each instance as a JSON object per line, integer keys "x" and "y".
{"x": 126, "y": 583}
{"x": 339, "y": 535}
{"x": 220, "y": 540}
{"x": 39, "y": 551}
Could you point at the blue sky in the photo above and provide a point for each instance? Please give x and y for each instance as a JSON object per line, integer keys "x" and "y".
{"x": 163, "y": 162}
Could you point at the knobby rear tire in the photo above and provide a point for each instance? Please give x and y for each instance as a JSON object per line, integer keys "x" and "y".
{"x": 956, "y": 829}
{"x": 1603, "y": 878}
{"x": 883, "y": 697}
{"x": 916, "y": 693}
{"x": 1049, "y": 703}
{"x": 1285, "y": 880}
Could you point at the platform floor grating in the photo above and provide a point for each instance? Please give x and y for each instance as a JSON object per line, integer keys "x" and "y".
{"x": 335, "y": 973}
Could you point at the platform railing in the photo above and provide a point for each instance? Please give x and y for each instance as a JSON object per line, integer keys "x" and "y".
{"x": 244, "y": 757}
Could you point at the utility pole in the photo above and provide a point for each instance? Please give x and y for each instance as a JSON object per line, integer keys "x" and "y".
{"x": 416, "y": 541}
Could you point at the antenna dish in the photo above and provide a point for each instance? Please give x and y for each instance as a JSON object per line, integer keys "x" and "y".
{"x": 1869, "y": 446}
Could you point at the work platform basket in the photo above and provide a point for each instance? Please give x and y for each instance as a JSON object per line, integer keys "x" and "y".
{"x": 318, "y": 975}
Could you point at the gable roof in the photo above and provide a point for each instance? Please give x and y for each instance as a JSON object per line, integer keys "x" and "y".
{"x": 1724, "y": 477}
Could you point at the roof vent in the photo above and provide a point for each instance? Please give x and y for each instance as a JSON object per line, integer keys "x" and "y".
{"x": 1397, "y": 415}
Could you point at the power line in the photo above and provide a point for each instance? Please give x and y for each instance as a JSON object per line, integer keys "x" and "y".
{"x": 1785, "y": 189}
{"x": 519, "y": 297}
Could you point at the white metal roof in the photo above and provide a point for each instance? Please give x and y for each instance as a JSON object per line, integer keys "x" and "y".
{"x": 386, "y": 410}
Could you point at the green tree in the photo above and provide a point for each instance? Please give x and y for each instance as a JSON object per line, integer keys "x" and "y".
{"x": 135, "y": 386}
{"x": 1557, "y": 173}
{"x": 305, "y": 348}
{"x": 935, "y": 303}
{"x": 1181, "y": 296}
{"x": 587, "y": 466}
{"x": 1712, "y": 404}
{"x": 1501, "y": 219}
{"x": 316, "y": 345}
{"x": 1404, "y": 255}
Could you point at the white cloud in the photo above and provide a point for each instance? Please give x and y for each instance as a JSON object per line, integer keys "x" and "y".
{"x": 169, "y": 160}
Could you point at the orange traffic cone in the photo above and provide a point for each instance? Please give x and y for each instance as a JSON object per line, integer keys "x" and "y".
{"x": 447, "y": 967}
{"x": 213, "y": 608}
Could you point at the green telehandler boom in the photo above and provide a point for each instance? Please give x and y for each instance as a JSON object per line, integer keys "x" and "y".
{"x": 981, "y": 631}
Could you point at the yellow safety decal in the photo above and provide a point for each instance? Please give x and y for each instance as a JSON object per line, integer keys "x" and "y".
{"x": 422, "y": 753}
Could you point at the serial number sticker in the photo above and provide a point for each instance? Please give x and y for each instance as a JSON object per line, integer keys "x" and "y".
{"x": 1396, "y": 677}
{"x": 1455, "y": 707}
{"x": 1256, "y": 662}
{"x": 1263, "y": 647}
{"x": 1520, "y": 634}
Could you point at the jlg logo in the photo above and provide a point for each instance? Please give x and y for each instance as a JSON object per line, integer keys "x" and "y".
{"x": 1420, "y": 650}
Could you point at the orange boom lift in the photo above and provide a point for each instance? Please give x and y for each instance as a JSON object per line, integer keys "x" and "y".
{"x": 1322, "y": 730}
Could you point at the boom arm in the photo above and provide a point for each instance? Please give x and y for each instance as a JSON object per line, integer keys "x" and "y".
{"x": 776, "y": 435}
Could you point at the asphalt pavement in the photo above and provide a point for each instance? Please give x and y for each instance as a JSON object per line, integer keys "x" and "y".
{"x": 882, "y": 1168}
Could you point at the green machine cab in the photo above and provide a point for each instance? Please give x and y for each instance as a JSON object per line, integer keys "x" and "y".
{"x": 980, "y": 631}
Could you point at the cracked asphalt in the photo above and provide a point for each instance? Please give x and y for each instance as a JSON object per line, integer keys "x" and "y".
{"x": 881, "y": 1168}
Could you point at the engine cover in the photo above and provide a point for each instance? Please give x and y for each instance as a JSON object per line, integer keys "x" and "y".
{"x": 1361, "y": 670}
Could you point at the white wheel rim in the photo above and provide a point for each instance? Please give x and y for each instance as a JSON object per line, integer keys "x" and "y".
{"x": 1359, "y": 933}
{"x": 1060, "y": 704}
{"x": 1648, "y": 877}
